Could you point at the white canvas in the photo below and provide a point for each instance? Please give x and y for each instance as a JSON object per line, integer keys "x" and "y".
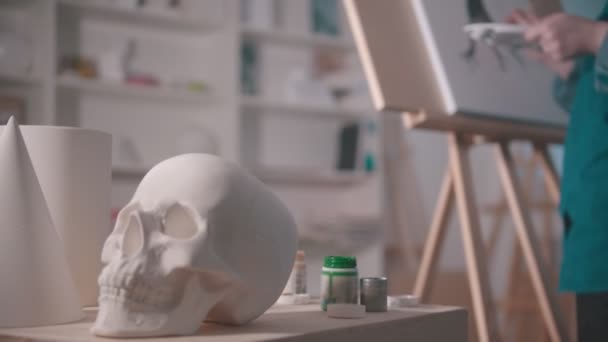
{"x": 521, "y": 92}
{"x": 36, "y": 285}
{"x": 73, "y": 166}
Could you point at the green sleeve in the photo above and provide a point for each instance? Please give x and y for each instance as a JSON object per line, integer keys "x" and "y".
{"x": 601, "y": 68}
{"x": 564, "y": 89}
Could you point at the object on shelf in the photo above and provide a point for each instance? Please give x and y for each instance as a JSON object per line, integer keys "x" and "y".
{"x": 296, "y": 284}
{"x": 174, "y": 4}
{"x": 339, "y": 281}
{"x": 111, "y": 66}
{"x": 373, "y": 293}
{"x": 192, "y": 17}
{"x": 295, "y": 292}
{"x": 311, "y": 84}
{"x": 348, "y": 147}
{"x": 37, "y": 286}
{"x": 11, "y": 106}
{"x": 128, "y": 4}
{"x": 250, "y": 72}
{"x": 369, "y": 145}
{"x": 196, "y": 86}
{"x": 114, "y": 65}
{"x": 259, "y": 13}
{"x": 402, "y": 301}
{"x": 327, "y": 62}
{"x": 354, "y": 95}
{"x": 183, "y": 83}
{"x": 15, "y": 53}
{"x": 73, "y": 166}
{"x": 197, "y": 139}
{"x": 302, "y": 87}
{"x": 159, "y": 6}
{"x": 343, "y": 77}
{"x": 160, "y": 93}
{"x": 146, "y": 80}
{"x": 81, "y": 66}
{"x": 207, "y": 233}
{"x": 325, "y": 17}
{"x": 348, "y": 311}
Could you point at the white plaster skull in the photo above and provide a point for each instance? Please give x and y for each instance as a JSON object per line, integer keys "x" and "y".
{"x": 200, "y": 240}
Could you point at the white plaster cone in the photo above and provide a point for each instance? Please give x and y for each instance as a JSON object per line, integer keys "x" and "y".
{"x": 36, "y": 286}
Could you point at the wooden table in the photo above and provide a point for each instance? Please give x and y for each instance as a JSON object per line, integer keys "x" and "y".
{"x": 290, "y": 323}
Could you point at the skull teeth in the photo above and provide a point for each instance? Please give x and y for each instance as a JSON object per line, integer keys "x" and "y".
{"x": 141, "y": 295}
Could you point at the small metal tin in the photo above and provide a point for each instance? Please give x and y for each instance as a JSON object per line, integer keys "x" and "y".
{"x": 373, "y": 293}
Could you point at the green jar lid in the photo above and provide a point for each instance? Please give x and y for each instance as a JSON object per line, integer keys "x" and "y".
{"x": 340, "y": 262}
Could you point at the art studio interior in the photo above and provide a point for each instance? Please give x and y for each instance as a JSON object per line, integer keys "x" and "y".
{"x": 303, "y": 170}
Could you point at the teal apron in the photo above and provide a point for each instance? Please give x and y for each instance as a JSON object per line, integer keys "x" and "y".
{"x": 584, "y": 204}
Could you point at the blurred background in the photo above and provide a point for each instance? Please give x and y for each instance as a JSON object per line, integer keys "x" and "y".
{"x": 275, "y": 85}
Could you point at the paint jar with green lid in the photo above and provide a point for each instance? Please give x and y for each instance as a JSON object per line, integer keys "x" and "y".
{"x": 339, "y": 281}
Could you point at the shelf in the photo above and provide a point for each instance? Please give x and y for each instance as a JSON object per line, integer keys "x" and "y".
{"x": 303, "y": 176}
{"x": 272, "y": 175}
{"x": 18, "y": 79}
{"x": 294, "y": 39}
{"x": 265, "y": 106}
{"x": 126, "y": 171}
{"x": 157, "y": 93}
{"x": 154, "y": 19}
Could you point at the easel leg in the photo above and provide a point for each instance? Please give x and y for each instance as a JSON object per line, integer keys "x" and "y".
{"x": 483, "y": 307}
{"x": 551, "y": 177}
{"x": 434, "y": 241}
{"x": 495, "y": 232}
{"x": 529, "y": 245}
{"x": 552, "y": 184}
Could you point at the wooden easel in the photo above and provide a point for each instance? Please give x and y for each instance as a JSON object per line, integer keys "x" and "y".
{"x": 457, "y": 187}
{"x": 521, "y": 315}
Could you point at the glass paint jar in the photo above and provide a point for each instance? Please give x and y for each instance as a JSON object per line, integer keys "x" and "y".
{"x": 339, "y": 281}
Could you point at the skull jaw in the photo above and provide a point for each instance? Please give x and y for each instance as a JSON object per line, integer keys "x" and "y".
{"x": 116, "y": 319}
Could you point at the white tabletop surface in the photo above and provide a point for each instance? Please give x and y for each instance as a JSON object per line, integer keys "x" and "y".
{"x": 290, "y": 323}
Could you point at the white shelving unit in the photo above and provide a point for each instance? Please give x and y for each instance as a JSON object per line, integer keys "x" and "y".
{"x": 264, "y": 106}
{"x": 13, "y": 78}
{"x": 289, "y": 146}
{"x": 129, "y": 171}
{"x": 274, "y": 175}
{"x": 153, "y": 117}
{"x": 273, "y": 36}
{"x": 106, "y": 10}
{"x": 137, "y": 92}
{"x": 310, "y": 177}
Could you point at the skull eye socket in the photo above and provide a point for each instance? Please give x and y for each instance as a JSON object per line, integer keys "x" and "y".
{"x": 179, "y": 222}
{"x": 133, "y": 239}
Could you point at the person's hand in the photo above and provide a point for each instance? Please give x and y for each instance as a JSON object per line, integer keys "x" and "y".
{"x": 562, "y": 36}
{"x": 561, "y": 67}
{"x": 522, "y": 17}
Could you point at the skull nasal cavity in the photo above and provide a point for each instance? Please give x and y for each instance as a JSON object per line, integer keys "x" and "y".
{"x": 179, "y": 222}
{"x": 133, "y": 239}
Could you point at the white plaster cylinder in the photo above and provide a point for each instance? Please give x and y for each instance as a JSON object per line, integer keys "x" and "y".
{"x": 74, "y": 167}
